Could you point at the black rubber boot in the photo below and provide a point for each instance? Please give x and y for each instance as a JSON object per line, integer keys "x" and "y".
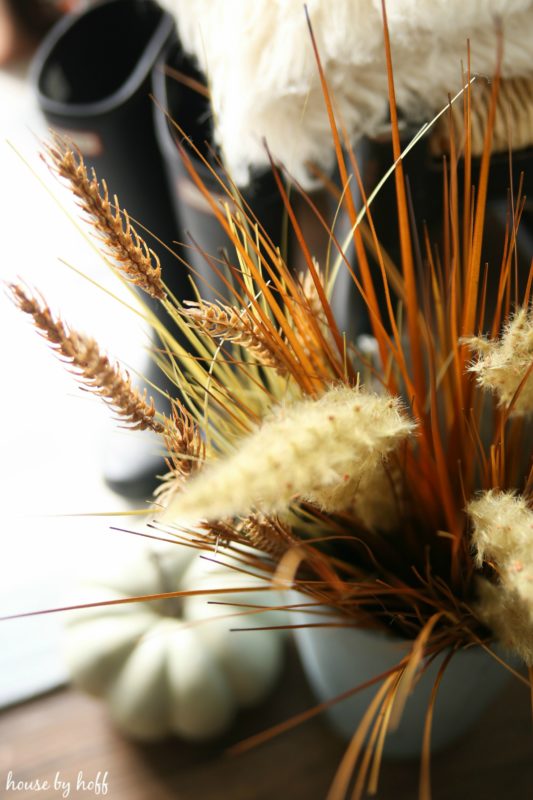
{"x": 93, "y": 77}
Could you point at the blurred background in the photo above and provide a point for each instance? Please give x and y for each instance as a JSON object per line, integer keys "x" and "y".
{"x": 53, "y": 434}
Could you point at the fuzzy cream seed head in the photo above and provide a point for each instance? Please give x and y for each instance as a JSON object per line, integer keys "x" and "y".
{"x": 374, "y": 496}
{"x": 503, "y": 366}
{"x": 509, "y": 615}
{"x": 502, "y": 527}
{"x": 301, "y": 451}
{"x": 503, "y": 534}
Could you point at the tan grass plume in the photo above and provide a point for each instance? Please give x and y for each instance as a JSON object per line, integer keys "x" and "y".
{"x": 308, "y": 450}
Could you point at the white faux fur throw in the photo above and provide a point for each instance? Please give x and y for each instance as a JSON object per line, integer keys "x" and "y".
{"x": 264, "y": 78}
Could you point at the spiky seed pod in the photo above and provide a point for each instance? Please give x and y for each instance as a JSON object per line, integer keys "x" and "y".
{"x": 304, "y": 450}
{"x": 502, "y": 364}
{"x": 503, "y": 535}
{"x": 237, "y": 326}
{"x": 135, "y": 260}
{"x": 92, "y": 367}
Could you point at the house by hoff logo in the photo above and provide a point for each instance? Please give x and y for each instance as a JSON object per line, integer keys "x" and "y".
{"x": 95, "y": 785}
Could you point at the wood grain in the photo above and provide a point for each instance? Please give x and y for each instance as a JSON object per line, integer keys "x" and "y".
{"x": 69, "y": 732}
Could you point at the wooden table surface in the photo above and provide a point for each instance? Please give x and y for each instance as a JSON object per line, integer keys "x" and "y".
{"x": 67, "y": 732}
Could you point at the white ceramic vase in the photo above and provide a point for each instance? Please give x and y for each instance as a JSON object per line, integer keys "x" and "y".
{"x": 339, "y": 659}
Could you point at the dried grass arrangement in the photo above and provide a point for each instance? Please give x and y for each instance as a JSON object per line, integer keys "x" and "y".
{"x": 395, "y": 488}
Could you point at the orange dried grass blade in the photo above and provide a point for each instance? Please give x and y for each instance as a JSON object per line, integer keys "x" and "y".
{"x": 364, "y": 267}
{"x": 310, "y": 328}
{"x": 375, "y": 748}
{"x": 229, "y": 190}
{"x": 506, "y": 265}
{"x": 186, "y": 80}
{"x": 467, "y": 159}
{"x": 398, "y": 351}
{"x": 453, "y": 209}
{"x": 140, "y": 599}
{"x": 446, "y": 491}
{"x": 483, "y": 300}
{"x": 298, "y": 719}
{"x": 343, "y": 776}
{"x": 411, "y": 304}
{"x": 459, "y": 355}
{"x": 437, "y": 293}
{"x": 527, "y": 291}
{"x": 408, "y": 676}
{"x": 445, "y": 215}
{"x": 500, "y": 661}
{"x": 424, "y": 792}
{"x": 310, "y": 265}
{"x": 364, "y": 766}
{"x": 474, "y": 262}
{"x": 288, "y": 565}
{"x": 478, "y": 449}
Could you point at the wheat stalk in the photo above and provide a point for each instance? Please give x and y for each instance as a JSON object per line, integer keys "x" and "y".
{"x": 268, "y": 534}
{"x": 138, "y": 262}
{"x": 184, "y": 442}
{"x": 186, "y": 452}
{"x": 221, "y": 321}
{"x": 310, "y": 293}
{"x": 92, "y": 367}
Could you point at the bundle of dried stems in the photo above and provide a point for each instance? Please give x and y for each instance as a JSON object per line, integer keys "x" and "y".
{"x": 404, "y": 505}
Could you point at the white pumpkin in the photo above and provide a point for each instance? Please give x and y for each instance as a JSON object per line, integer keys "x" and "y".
{"x": 173, "y": 665}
